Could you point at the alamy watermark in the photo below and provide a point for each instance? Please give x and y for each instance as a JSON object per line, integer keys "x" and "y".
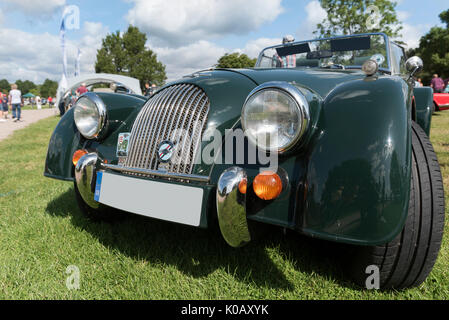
{"x": 73, "y": 280}
{"x": 374, "y": 19}
{"x": 71, "y": 17}
{"x": 373, "y": 280}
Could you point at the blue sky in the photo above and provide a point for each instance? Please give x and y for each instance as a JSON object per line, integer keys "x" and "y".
{"x": 198, "y": 30}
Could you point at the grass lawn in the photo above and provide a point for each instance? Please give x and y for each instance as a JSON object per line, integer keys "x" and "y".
{"x": 42, "y": 232}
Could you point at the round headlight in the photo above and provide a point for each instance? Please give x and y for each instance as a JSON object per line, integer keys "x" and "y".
{"x": 90, "y": 115}
{"x": 275, "y": 116}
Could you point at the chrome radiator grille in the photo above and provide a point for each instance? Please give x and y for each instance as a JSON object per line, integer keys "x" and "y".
{"x": 177, "y": 114}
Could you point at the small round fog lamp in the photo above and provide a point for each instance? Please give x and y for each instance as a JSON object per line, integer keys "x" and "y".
{"x": 370, "y": 67}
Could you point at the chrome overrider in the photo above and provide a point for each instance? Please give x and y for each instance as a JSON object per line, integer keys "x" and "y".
{"x": 85, "y": 178}
{"x": 231, "y": 207}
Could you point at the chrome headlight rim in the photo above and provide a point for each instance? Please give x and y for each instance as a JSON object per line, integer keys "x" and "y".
{"x": 100, "y": 130}
{"x": 301, "y": 103}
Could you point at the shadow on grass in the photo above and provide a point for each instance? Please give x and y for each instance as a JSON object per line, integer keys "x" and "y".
{"x": 198, "y": 252}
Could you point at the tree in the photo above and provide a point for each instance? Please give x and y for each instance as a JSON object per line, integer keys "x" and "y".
{"x": 434, "y": 50}
{"x": 48, "y": 88}
{"x": 236, "y": 61}
{"x": 127, "y": 55}
{"x": 346, "y": 17}
{"x": 4, "y": 85}
{"x": 25, "y": 86}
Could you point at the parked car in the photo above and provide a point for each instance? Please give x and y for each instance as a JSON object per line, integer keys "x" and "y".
{"x": 441, "y": 101}
{"x": 342, "y": 144}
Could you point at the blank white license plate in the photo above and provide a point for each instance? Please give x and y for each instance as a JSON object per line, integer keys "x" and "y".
{"x": 165, "y": 201}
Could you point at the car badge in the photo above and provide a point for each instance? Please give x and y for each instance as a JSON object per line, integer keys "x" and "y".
{"x": 165, "y": 151}
{"x": 123, "y": 144}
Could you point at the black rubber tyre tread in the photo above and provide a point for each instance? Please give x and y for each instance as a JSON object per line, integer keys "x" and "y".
{"x": 407, "y": 260}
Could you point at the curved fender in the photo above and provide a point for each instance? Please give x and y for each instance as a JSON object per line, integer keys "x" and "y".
{"x": 63, "y": 143}
{"x": 357, "y": 184}
{"x": 122, "y": 111}
{"x": 424, "y": 104}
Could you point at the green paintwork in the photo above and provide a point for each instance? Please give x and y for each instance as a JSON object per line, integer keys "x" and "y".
{"x": 349, "y": 179}
{"x": 424, "y": 104}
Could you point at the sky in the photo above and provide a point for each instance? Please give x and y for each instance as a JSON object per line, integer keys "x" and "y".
{"x": 186, "y": 35}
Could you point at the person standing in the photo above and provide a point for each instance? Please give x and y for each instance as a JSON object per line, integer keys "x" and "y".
{"x": 3, "y": 103}
{"x": 82, "y": 89}
{"x": 38, "y": 103}
{"x": 16, "y": 101}
{"x": 420, "y": 84}
{"x": 288, "y": 61}
{"x": 437, "y": 84}
{"x": 147, "y": 89}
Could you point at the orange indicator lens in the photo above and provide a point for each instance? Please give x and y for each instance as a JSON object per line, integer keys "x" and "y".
{"x": 77, "y": 156}
{"x": 267, "y": 185}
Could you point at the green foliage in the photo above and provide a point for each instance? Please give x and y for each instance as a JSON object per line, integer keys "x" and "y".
{"x": 48, "y": 88}
{"x": 25, "y": 86}
{"x": 350, "y": 17}
{"x": 236, "y": 61}
{"x": 4, "y": 85}
{"x": 127, "y": 55}
{"x": 35, "y": 91}
{"x": 434, "y": 50}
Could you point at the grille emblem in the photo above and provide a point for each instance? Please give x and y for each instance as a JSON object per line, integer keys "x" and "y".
{"x": 165, "y": 151}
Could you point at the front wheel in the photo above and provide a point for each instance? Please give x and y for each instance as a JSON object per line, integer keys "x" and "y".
{"x": 407, "y": 260}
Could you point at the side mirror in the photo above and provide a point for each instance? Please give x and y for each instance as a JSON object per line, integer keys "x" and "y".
{"x": 414, "y": 65}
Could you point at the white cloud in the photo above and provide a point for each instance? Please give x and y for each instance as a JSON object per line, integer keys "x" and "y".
{"x": 188, "y": 59}
{"x": 179, "y": 22}
{"x": 411, "y": 34}
{"x": 402, "y": 15}
{"x": 254, "y": 47}
{"x": 35, "y": 8}
{"x": 202, "y": 55}
{"x": 315, "y": 15}
{"x": 36, "y": 57}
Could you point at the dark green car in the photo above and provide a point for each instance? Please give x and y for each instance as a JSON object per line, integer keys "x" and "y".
{"x": 328, "y": 138}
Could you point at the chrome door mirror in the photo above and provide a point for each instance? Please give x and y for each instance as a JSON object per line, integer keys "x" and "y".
{"x": 414, "y": 65}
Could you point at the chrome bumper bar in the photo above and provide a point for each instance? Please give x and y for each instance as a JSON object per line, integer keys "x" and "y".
{"x": 155, "y": 173}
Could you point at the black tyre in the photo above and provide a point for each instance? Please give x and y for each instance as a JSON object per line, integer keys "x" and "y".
{"x": 102, "y": 213}
{"x": 435, "y": 108}
{"x": 407, "y": 260}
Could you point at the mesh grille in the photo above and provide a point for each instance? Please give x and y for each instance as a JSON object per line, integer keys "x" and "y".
{"x": 177, "y": 114}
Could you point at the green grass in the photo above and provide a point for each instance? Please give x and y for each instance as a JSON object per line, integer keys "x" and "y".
{"x": 34, "y": 107}
{"x": 42, "y": 232}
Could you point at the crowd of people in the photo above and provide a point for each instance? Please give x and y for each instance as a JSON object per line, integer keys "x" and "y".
{"x": 14, "y": 101}
{"x": 437, "y": 84}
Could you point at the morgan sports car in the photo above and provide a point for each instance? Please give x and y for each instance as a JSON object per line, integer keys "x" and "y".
{"x": 327, "y": 137}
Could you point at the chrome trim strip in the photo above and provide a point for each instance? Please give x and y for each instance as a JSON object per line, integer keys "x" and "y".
{"x": 186, "y": 152}
{"x": 171, "y": 112}
{"x": 231, "y": 208}
{"x": 161, "y": 174}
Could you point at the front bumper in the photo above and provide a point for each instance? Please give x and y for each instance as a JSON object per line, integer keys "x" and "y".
{"x": 230, "y": 202}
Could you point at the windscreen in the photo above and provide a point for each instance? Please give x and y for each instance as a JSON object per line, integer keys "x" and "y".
{"x": 350, "y": 52}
